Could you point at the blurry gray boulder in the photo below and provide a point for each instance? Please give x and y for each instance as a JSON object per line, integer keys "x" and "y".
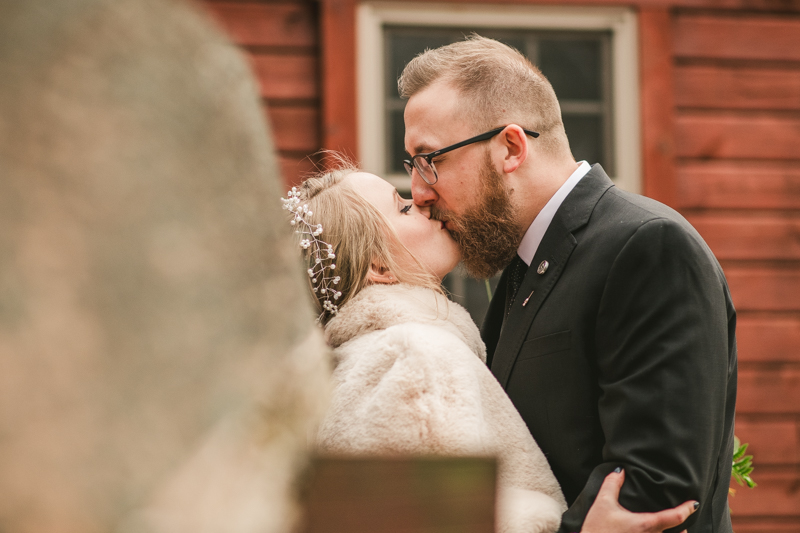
{"x": 159, "y": 370}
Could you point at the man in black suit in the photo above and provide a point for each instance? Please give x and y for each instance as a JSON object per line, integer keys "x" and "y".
{"x": 612, "y": 329}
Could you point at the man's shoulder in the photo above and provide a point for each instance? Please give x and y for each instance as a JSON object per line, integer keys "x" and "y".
{"x": 635, "y": 208}
{"x": 622, "y": 212}
{"x": 597, "y": 200}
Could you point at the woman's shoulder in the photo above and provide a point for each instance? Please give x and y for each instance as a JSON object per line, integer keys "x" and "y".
{"x": 403, "y": 308}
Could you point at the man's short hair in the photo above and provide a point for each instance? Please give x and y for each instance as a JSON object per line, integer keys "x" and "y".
{"x": 500, "y": 86}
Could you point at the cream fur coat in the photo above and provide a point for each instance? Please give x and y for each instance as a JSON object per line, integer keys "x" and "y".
{"x": 411, "y": 378}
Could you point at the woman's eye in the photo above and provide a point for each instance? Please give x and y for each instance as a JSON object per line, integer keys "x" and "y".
{"x": 406, "y": 209}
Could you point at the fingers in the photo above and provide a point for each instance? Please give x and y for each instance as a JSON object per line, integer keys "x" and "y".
{"x": 612, "y": 485}
{"x": 671, "y": 517}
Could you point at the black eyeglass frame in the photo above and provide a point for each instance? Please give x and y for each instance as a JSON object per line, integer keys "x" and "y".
{"x": 411, "y": 164}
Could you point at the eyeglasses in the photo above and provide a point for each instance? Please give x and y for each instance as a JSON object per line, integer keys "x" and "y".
{"x": 424, "y": 162}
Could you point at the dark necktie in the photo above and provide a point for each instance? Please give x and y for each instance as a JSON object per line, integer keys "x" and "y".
{"x": 516, "y": 273}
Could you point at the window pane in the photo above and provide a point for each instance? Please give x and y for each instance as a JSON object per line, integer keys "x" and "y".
{"x": 585, "y": 134}
{"x": 573, "y": 67}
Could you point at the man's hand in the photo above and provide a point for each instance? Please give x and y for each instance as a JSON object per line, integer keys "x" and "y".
{"x": 607, "y": 516}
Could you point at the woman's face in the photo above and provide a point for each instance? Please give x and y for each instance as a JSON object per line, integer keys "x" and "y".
{"x": 427, "y": 239}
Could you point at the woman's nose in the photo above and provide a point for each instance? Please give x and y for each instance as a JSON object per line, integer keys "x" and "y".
{"x": 425, "y": 210}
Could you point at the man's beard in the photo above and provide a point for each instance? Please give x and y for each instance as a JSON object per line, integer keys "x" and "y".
{"x": 487, "y": 234}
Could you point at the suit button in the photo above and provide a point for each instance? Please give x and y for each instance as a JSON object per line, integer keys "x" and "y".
{"x": 542, "y": 267}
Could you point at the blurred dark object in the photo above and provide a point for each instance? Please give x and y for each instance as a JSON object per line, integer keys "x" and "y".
{"x": 431, "y": 495}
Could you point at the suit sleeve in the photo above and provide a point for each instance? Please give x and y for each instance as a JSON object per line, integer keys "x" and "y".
{"x": 662, "y": 365}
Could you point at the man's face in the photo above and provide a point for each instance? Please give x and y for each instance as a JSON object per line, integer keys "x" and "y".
{"x": 470, "y": 194}
{"x": 434, "y": 119}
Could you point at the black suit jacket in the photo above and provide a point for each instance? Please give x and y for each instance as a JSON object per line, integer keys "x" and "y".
{"x": 624, "y": 355}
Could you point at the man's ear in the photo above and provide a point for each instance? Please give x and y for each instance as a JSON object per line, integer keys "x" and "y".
{"x": 515, "y": 143}
{"x": 380, "y": 274}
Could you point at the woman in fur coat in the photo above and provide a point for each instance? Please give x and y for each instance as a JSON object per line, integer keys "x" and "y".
{"x": 410, "y": 376}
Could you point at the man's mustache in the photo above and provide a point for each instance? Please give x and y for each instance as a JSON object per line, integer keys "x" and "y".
{"x": 439, "y": 214}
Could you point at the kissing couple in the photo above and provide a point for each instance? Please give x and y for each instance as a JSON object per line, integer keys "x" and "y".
{"x": 604, "y": 374}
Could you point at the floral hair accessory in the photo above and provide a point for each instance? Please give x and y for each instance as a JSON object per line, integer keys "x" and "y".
{"x": 319, "y": 252}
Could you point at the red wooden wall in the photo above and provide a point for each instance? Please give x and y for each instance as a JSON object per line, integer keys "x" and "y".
{"x": 281, "y": 39}
{"x": 737, "y": 162}
{"x": 720, "y": 82}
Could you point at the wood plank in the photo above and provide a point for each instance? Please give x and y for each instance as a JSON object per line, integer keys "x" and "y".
{"x": 738, "y": 37}
{"x": 286, "y": 76}
{"x": 295, "y": 128}
{"x": 724, "y": 184}
{"x": 714, "y": 135}
{"x": 770, "y": 442}
{"x": 781, "y": 6}
{"x": 278, "y": 24}
{"x": 776, "y": 495}
{"x": 339, "y": 82}
{"x": 294, "y": 169}
{"x": 762, "y": 289}
{"x": 749, "y": 237}
{"x": 767, "y": 340}
{"x": 658, "y": 145}
{"x": 744, "y": 524}
{"x": 769, "y": 391}
{"x": 737, "y": 88}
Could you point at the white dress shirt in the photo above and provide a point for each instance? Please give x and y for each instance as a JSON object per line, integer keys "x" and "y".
{"x": 530, "y": 242}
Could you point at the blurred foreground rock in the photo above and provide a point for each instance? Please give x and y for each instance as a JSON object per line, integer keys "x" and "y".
{"x": 159, "y": 370}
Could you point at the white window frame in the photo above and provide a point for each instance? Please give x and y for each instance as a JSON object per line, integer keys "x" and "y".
{"x": 621, "y": 22}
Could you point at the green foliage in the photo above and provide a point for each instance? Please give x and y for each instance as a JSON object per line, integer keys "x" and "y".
{"x": 742, "y": 464}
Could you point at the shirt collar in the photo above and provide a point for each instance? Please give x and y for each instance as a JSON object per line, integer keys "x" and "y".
{"x": 530, "y": 242}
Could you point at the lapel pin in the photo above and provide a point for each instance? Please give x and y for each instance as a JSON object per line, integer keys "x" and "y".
{"x": 526, "y": 299}
{"x": 542, "y": 267}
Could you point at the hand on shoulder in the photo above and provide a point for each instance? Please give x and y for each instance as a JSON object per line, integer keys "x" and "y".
{"x": 607, "y": 516}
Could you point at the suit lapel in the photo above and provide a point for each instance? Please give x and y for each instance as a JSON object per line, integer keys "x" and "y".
{"x": 556, "y": 247}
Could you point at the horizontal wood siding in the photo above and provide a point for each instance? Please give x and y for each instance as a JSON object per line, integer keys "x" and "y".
{"x": 281, "y": 39}
{"x": 738, "y": 36}
{"x": 724, "y": 87}
{"x": 720, "y": 184}
{"x": 766, "y": 237}
{"x": 277, "y": 24}
{"x": 768, "y": 339}
{"x": 726, "y": 135}
{"x": 737, "y": 147}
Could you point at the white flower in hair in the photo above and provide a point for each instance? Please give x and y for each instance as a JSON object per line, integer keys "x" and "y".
{"x": 321, "y": 252}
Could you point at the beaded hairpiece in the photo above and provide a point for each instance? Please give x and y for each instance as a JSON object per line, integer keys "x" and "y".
{"x": 320, "y": 253}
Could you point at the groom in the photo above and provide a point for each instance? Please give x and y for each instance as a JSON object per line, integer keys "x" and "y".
{"x": 612, "y": 329}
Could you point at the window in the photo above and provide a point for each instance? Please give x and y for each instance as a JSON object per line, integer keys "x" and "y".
{"x": 588, "y": 54}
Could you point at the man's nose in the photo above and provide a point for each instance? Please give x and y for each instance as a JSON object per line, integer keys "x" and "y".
{"x": 424, "y": 195}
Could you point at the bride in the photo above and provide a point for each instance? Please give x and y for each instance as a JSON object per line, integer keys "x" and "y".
{"x": 410, "y": 374}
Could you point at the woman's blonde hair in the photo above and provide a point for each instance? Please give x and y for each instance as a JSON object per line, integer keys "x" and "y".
{"x": 360, "y": 235}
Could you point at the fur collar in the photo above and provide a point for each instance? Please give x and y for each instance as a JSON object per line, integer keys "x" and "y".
{"x": 380, "y": 306}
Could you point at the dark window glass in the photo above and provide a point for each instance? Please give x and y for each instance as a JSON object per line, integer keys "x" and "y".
{"x": 573, "y": 67}
{"x": 585, "y": 134}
